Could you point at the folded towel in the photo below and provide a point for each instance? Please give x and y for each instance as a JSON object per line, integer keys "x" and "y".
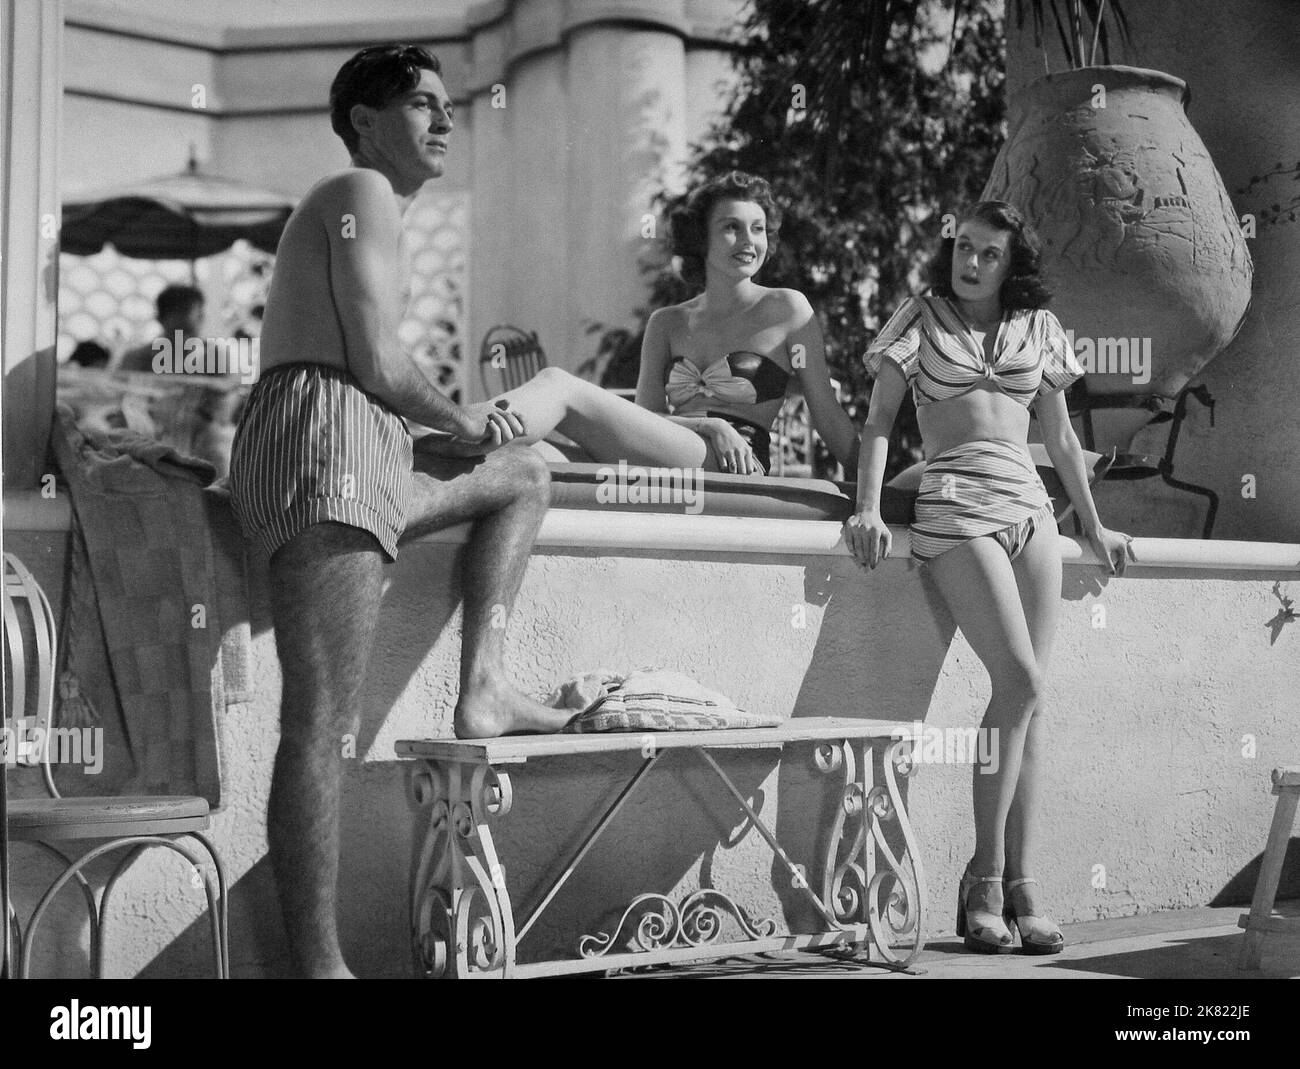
{"x": 649, "y": 699}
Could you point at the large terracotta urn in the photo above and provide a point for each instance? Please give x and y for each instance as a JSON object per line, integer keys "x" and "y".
{"x": 1141, "y": 243}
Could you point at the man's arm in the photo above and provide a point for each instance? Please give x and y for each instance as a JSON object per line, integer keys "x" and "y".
{"x": 364, "y": 227}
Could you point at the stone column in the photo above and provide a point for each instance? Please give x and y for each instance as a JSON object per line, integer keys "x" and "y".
{"x": 627, "y": 108}
{"x": 600, "y": 102}
{"x": 535, "y": 247}
{"x": 32, "y": 91}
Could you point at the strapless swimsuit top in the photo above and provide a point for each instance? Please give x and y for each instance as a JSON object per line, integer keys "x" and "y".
{"x": 741, "y": 377}
{"x": 934, "y": 348}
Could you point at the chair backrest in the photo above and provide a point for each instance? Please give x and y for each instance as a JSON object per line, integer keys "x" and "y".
{"x": 513, "y": 354}
{"x": 30, "y": 655}
{"x": 793, "y": 439}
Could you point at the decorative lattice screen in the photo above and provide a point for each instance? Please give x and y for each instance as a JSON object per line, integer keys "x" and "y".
{"x": 109, "y": 298}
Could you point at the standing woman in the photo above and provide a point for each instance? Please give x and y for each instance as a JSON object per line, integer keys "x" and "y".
{"x": 977, "y": 354}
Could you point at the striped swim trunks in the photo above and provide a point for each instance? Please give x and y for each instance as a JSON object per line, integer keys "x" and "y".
{"x": 313, "y": 447}
{"x": 979, "y": 488}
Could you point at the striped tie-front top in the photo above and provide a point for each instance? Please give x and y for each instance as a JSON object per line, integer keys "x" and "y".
{"x": 934, "y": 349}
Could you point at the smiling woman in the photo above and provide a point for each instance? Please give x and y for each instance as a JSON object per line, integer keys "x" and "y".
{"x": 714, "y": 369}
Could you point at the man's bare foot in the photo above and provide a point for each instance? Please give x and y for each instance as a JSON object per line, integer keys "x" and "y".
{"x": 489, "y": 710}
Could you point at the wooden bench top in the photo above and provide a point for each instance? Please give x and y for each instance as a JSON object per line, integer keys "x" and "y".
{"x": 519, "y": 748}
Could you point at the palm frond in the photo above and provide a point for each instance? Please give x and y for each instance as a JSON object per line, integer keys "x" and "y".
{"x": 1072, "y": 18}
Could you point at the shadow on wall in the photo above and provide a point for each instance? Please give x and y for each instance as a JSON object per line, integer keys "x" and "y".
{"x": 680, "y": 831}
{"x": 1241, "y": 888}
{"x": 892, "y": 673}
{"x": 257, "y": 945}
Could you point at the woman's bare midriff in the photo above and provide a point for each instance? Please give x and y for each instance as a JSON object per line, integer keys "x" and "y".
{"x": 985, "y": 413}
{"x": 763, "y": 415}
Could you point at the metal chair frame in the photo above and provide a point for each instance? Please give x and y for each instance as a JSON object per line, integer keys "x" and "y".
{"x": 137, "y": 833}
{"x": 515, "y": 353}
{"x": 1133, "y": 466}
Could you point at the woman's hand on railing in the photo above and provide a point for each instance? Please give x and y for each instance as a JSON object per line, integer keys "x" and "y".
{"x": 867, "y": 537}
{"x": 1113, "y": 548}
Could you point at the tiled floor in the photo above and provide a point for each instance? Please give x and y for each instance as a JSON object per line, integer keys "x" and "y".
{"x": 1183, "y": 944}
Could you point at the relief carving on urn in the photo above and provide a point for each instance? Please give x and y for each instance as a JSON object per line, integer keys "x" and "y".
{"x": 1140, "y": 239}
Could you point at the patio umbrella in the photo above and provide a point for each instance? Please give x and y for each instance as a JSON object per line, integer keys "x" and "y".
{"x": 182, "y": 216}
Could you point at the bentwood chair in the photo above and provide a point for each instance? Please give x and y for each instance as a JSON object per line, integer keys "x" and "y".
{"x": 106, "y": 824}
{"x": 515, "y": 355}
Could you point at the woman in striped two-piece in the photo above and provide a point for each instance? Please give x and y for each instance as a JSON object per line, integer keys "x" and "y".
{"x": 977, "y": 354}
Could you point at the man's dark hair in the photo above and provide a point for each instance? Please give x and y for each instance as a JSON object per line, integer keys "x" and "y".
{"x": 177, "y": 300}
{"x": 688, "y": 226}
{"x": 1023, "y": 287}
{"x": 375, "y": 76}
{"x": 89, "y": 354}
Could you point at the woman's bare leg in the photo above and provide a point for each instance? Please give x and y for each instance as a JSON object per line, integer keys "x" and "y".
{"x": 1038, "y": 578}
{"x": 608, "y": 427}
{"x": 979, "y": 586}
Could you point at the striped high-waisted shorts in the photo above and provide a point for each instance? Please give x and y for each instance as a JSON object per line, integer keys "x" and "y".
{"x": 313, "y": 447}
{"x": 979, "y": 488}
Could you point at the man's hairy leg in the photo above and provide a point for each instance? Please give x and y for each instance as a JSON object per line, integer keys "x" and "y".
{"x": 325, "y": 590}
{"x": 505, "y": 495}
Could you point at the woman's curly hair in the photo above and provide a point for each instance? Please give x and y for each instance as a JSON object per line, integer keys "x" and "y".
{"x": 1024, "y": 286}
{"x": 688, "y": 225}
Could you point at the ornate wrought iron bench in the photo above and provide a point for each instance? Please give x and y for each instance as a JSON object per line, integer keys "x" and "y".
{"x": 867, "y": 896}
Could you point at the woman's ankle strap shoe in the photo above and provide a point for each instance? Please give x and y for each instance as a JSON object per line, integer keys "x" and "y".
{"x": 981, "y": 925}
{"x": 1039, "y": 934}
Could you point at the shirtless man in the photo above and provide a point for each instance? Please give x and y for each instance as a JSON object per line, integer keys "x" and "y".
{"x": 326, "y": 477}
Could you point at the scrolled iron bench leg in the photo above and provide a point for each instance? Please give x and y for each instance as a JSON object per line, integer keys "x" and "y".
{"x": 851, "y": 881}
{"x": 461, "y": 911}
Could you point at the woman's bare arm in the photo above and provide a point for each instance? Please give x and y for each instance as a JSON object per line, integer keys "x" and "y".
{"x": 1063, "y": 447}
{"x": 807, "y": 352}
{"x": 886, "y": 399}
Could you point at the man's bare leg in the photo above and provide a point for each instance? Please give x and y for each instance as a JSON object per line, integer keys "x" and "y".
{"x": 505, "y": 495}
{"x": 325, "y": 590}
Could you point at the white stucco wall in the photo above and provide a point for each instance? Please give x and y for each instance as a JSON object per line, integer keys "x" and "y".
{"x": 1150, "y": 716}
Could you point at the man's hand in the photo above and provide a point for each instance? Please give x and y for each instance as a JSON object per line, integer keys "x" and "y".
{"x": 484, "y": 427}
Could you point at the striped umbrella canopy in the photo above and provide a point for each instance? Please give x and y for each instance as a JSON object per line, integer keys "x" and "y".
{"x": 182, "y": 216}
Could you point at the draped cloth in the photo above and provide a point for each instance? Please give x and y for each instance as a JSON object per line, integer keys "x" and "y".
{"x": 974, "y": 489}
{"x": 167, "y": 570}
